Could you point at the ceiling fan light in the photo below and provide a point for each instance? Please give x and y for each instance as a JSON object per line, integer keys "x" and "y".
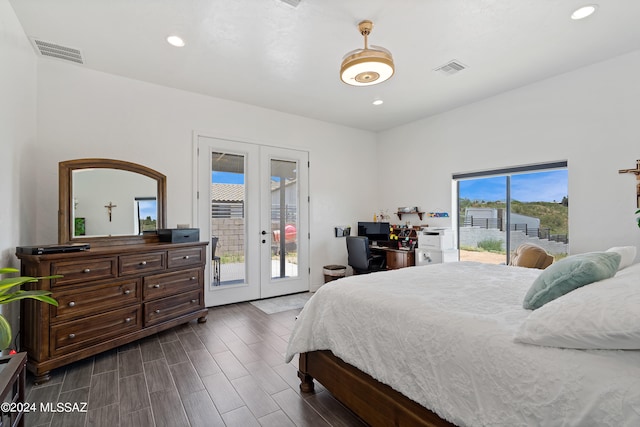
{"x": 367, "y": 67}
{"x": 364, "y": 67}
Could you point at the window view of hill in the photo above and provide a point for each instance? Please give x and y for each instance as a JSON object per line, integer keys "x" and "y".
{"x": 552, "y": 215}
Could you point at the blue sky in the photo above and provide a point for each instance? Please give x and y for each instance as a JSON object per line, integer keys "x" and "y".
{"x": 231, "y": 178}
{"x": 147, "y": 208}
{"x": 532, "y": 187}
{"x": 227, "y": 178}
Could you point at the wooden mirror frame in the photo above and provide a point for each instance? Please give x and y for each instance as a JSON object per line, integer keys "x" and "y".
{"x": 65, "y": 201}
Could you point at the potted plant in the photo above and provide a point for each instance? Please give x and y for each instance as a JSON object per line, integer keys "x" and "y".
{"x": 10, "y": 291}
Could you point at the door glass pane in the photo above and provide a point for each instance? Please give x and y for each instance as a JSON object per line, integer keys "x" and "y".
{"x": 482, "y": 213}
{"x": 284, "y": 219}
{"x": 228, "y": 219}
{"x": 540, "y": 211}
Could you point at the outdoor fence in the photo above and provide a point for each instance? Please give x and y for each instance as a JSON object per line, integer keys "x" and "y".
{"x": 499, "y": 223}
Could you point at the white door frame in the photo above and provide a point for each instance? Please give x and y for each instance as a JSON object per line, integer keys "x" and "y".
{"x": 271, "y": 286}
{"x": 259, "y": 283}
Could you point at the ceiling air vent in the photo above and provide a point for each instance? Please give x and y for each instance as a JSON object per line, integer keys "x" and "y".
{"x": 451, "y": 67}
{"x": 57, "y": 51}
{"x": 293, "y": 3}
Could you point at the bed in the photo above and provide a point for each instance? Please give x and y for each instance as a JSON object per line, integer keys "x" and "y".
{"x": 451, "y": 344}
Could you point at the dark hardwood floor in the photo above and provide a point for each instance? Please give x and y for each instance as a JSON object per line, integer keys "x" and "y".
{"x": 229, "y": 371}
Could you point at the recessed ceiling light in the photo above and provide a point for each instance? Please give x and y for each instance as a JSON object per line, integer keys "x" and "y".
{"x": 584, "y": 11}
{"x": 378, "y": 102}
{"x": 175, "y": 41}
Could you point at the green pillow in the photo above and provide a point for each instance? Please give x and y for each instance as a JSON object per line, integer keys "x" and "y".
{"x": 570, "y": 273}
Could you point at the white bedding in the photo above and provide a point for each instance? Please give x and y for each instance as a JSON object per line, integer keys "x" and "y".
{"x": 443, "y": 336}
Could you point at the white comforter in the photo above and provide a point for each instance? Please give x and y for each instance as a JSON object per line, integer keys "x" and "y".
{"x": 443, "y": 336}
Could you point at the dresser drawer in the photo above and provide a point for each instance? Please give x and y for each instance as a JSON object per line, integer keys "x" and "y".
{"x": 184, "y": 257}
{"x": 83, "y": 270}
{"x": 162, "y": 285}
{"x": 95, "y": 299}
{"x": 142, "y": 263}
{"x": 81, "y": 333}
{"x": 168, "y": 308}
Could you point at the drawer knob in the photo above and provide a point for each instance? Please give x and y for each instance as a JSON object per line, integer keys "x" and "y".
{"x": 186, "y": 257}
{"x": 157, "y": 311}
{"x": 127, "y": 291}
{"x": 127, "y": 320}
{"x": 156, "y": 286}
{"x": 86, "y": 270}
{"x": 72, "y": 336}
{"x": 143, "y": 263}
{"x": 193, "y": 277}
{"x": 72, "y": 304}
{"x": 194, "y": 301}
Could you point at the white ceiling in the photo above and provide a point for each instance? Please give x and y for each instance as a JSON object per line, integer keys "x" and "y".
{"x": 270, "y": 54}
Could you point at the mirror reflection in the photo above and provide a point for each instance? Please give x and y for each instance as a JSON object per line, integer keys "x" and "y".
{"x": 110, "y": 202}
{"x": 113, "y": 202}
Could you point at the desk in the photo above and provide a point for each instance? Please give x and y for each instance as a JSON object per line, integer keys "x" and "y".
{"x": 396, "y": 258}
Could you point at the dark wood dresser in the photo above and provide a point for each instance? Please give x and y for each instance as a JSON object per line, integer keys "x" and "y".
{"x": 108, "y": 296}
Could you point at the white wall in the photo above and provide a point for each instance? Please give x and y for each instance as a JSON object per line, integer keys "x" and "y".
{"x": 84, "y": 113}
{"x": 589, "y": 117}
{"x": 17, "y": 138}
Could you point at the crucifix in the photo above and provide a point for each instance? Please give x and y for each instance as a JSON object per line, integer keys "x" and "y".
{"x": 110, "y": 207}
{"x": 636, "y": 172}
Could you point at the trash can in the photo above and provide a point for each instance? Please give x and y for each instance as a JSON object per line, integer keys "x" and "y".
{"x": 333, "y": 272}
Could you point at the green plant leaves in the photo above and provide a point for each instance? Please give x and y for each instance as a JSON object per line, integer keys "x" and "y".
{"x": 6, "y": 286}
{"x": 5, "y": 333}
{"x": 38, "y": 295}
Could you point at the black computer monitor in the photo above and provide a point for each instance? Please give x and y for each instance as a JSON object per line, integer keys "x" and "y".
{"x": 375, "y": 231}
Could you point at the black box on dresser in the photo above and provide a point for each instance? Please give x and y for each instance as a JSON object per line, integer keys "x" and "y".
{"x": 179, "y": 235}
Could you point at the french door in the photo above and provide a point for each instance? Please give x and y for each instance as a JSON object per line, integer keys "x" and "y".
{"x": 253, "y": 202}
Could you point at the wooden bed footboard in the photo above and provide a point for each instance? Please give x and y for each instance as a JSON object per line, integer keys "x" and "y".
{"x": 375, "y": 403}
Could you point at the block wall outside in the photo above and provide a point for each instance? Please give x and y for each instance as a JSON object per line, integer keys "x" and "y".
{"x": 231, "y": 235}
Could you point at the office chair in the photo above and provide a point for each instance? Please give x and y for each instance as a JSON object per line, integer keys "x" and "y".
{"x": 360, "y": 258}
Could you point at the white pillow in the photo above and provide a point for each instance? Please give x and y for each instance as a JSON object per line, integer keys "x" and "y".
{"x": 601, "y": 315}
{"x": 627, "y": 254}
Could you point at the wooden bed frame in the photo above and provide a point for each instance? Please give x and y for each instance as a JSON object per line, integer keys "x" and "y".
{"x": 375, "y": 403}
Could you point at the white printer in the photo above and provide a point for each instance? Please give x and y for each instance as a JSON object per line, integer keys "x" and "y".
{"x": 435, "y": 245}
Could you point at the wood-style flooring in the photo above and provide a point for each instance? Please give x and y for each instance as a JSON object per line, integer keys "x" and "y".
{"x": 229, "y": 371}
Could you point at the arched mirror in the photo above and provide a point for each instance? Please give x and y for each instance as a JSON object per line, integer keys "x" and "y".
{"x": 109, "y": 202}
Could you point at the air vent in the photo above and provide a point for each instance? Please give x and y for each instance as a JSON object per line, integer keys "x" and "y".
{"x": 57, "y": 51}
{"x": 451, "y": 67}
{"x": 293, "y": 3}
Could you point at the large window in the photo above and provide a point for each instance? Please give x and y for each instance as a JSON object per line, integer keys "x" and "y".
{"x": 500, "y": 209}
